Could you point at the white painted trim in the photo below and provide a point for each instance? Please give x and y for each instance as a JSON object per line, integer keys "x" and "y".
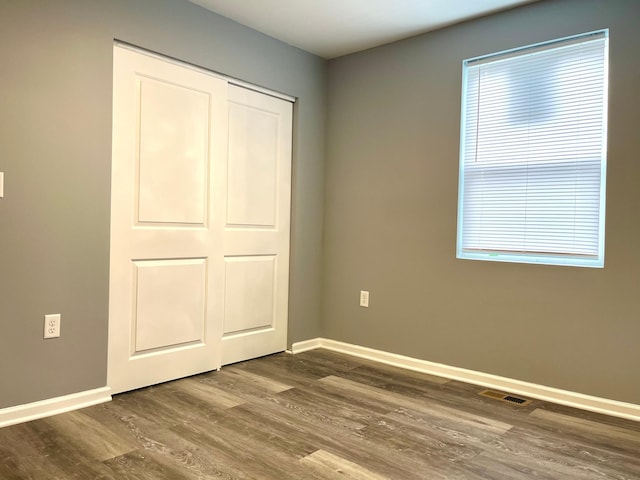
{"x": 231, "y": 80}
{"x": 606, "y": 406}
{"x": 299, "y": 347}
{"x": 53, "y": 406}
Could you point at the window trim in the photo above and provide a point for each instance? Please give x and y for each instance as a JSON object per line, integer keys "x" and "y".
{"x": 577, "y": 260}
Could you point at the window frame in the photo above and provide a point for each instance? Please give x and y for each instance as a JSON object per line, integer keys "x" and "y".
{"x": 496, "y": 255}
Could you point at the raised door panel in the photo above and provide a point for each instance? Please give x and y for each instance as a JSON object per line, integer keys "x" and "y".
{"x": 252, "y": 166}
{"x": 170, "y": 304}
{"x": 249, "y": 293}
{"x": 173, "y": 149}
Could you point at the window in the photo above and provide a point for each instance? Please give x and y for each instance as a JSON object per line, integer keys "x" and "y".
{"x": 533, "y": 154}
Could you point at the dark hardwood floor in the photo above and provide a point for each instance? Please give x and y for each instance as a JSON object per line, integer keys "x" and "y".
{"x": 319, "y": 415}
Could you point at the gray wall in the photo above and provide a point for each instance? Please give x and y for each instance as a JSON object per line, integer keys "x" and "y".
{"x": 391, "y": 203}
{"x": 55, "y": 150}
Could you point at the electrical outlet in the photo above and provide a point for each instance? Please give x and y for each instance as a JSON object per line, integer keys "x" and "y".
{"x": 364, "y": 298}
{"x": 52, "y": 325}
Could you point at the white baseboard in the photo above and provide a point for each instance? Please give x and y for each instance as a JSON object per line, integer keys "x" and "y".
{"x": 53, "y": 406}
{"x": 508, "y": 385}
{"x": 299, "y": 347}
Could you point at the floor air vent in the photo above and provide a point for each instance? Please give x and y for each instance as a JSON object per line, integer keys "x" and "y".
{"x": 505, "y": 397}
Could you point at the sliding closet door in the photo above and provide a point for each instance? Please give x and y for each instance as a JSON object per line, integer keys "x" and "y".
{"x": 201, "y": 194}
{"x": 167, "y": 260}
{"x": 256, "y": 227}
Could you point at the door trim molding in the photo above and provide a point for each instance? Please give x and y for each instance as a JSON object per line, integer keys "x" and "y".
{"x": 53, "y": 406}
{"x": 582, "y": 401}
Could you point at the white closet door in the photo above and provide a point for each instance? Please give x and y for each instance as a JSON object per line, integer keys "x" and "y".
{"x": 167, "y": 259}
{"x": 256, "y": 228}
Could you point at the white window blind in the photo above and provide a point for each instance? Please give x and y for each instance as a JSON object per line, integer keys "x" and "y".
{"x": 533, "y": 154}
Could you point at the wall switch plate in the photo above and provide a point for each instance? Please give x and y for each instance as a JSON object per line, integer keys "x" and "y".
{"x": 1, "y": 184}
{"x": 52, "y": 325}
{"x": 364, "y": 298}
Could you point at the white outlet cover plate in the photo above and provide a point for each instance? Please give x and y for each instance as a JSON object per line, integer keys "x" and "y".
{"x": 364, "y": 298}
{"x": 52, "y": 325}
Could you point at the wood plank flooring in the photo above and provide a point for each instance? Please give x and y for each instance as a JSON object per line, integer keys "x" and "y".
{"x": 319, "y": 415}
